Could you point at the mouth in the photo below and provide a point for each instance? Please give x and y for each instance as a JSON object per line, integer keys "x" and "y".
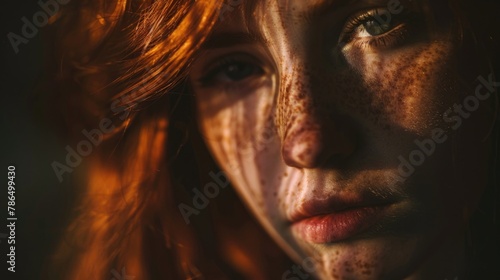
{"x": 338, "y": 218}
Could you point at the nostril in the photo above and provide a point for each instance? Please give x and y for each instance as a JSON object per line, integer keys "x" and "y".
{"x": 316, "y": 148}
{"x": 304, "y": 149}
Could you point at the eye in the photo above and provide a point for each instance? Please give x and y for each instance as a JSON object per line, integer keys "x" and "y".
{"x": 238, "y": 71}
{"x": 235, "y": 68}
{"x": 375, "y": 28}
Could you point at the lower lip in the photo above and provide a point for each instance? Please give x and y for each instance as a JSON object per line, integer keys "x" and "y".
{"x": 338, "y": 226}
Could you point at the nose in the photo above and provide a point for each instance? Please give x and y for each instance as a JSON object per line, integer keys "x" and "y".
{"x": 308, "y": 146}
{"x": 314, "y": 135}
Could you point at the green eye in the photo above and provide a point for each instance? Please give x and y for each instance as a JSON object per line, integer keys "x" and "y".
{"x": 375, "y": 28}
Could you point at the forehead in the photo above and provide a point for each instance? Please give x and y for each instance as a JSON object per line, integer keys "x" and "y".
{"x": 269, "y": 21}
{"x": 240, "y": 10}
{"x": 234, "y": 12}
{"x": 292, "y": 20}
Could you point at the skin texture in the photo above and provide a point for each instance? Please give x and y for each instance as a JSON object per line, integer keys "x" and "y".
{"x": 323, "y": 114}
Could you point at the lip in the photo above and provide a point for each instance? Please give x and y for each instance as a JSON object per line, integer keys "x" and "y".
{"x": 338, "y": 218}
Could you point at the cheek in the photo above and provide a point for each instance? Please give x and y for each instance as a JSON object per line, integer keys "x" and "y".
{"x": 408, "y": 88}
{"x": 241, "y": 135}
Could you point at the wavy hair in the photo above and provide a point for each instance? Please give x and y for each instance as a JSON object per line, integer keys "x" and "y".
{"x": 112, "y": 59}
{"x": 126, "y": 61}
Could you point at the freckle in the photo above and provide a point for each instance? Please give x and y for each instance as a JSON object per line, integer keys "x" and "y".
{"x": 262, "y": 182}
{"x": 301, "y": 156}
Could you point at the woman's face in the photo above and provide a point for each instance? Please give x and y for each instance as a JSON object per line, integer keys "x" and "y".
{"x": 330, "y": 118}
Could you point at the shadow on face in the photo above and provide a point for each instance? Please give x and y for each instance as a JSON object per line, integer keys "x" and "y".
{"x": 348, "y": 131}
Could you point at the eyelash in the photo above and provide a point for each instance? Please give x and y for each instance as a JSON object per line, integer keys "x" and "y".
{"x": 396, "y": 33}
{"x": 222, "y": 64}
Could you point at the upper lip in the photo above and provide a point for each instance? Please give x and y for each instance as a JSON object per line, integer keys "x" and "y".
{"x": 337, "y": 203}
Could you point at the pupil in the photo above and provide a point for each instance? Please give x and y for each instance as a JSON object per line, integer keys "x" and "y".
{"x": 239, "y": 71}
{"x": 374, "y": 28}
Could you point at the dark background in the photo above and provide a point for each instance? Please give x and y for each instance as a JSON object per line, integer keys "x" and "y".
{"x": 31, "y": 147}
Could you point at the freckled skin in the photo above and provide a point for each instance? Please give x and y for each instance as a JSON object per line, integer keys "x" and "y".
{"x": 311, "y": 127}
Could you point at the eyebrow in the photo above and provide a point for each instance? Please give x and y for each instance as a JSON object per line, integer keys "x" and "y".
{"x": 228, "y": 39}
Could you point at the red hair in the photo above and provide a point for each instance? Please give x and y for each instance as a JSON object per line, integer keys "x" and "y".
{"x": 111, "y": 58}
